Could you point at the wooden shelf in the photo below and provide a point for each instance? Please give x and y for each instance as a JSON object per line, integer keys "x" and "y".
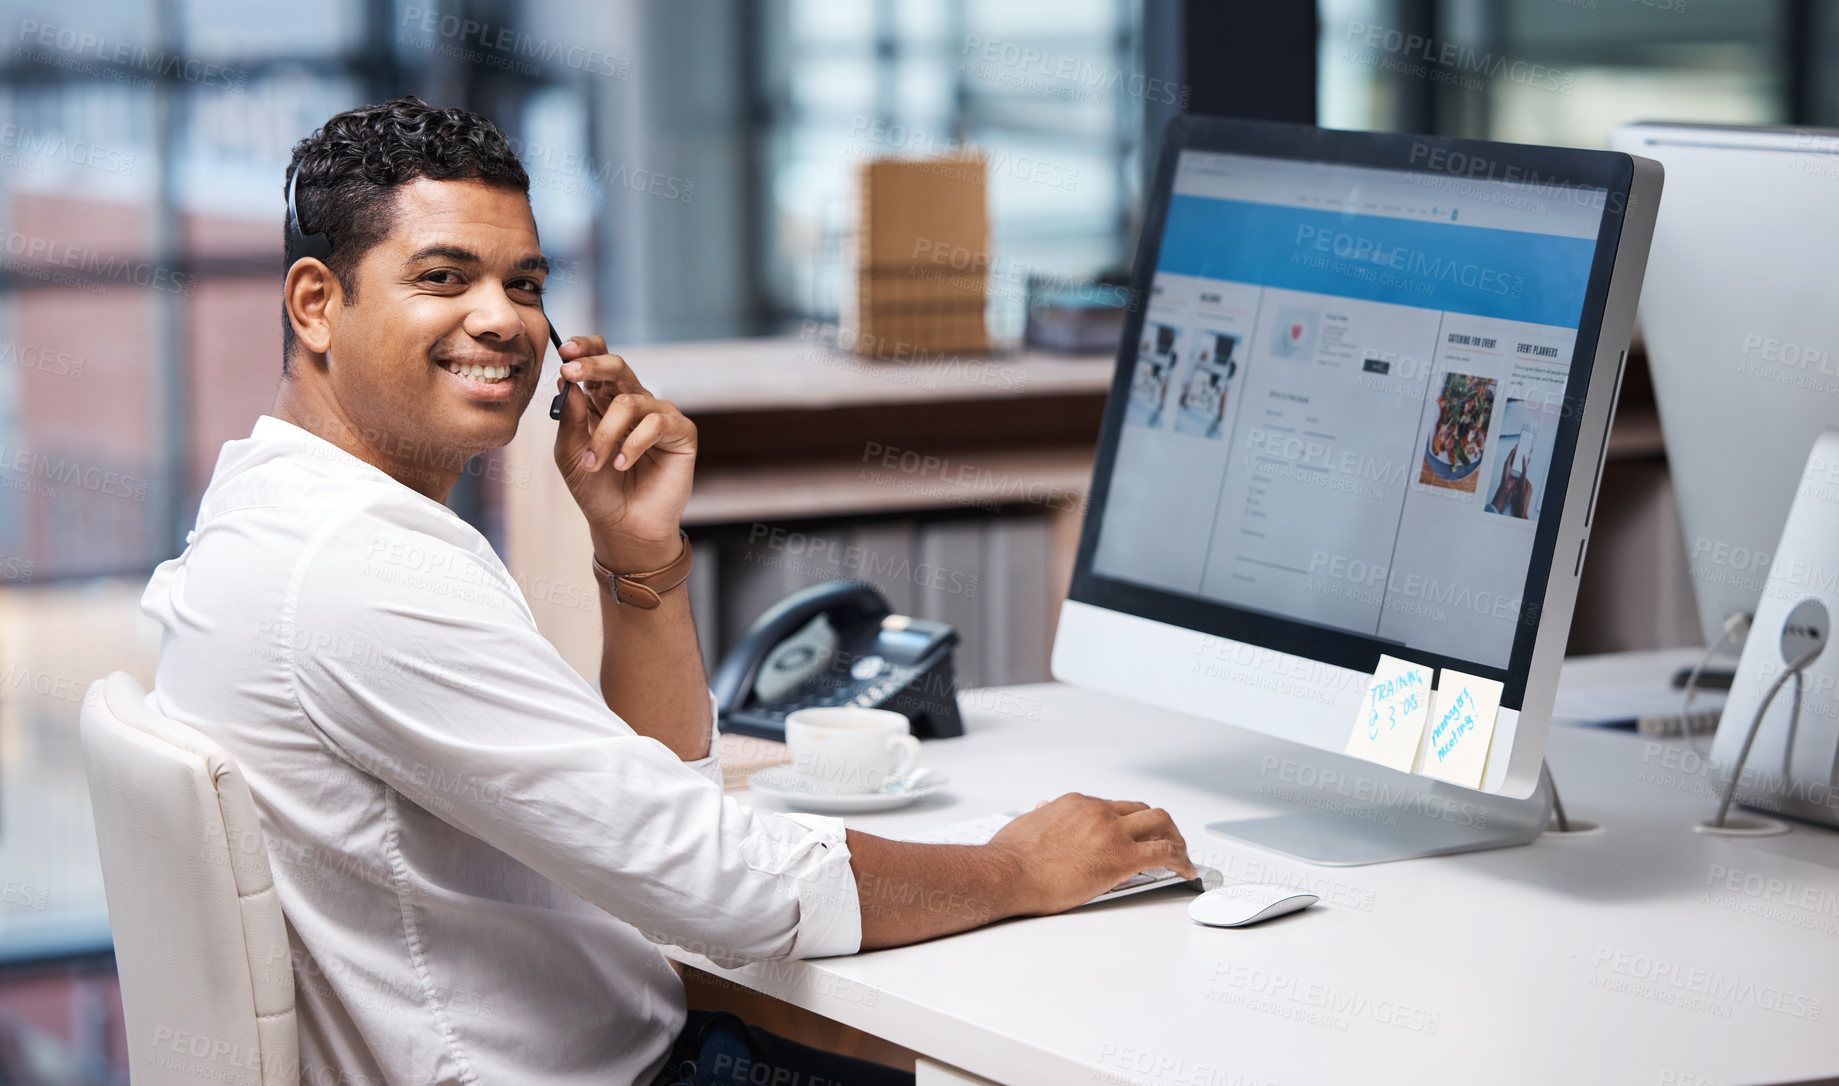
{"x": 1056, "y": 478}
{"x": 787, "y": 373}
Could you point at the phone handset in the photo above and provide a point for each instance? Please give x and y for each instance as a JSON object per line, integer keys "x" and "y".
{"x": 838, "y": 644}
{"x": 842, "y": 601}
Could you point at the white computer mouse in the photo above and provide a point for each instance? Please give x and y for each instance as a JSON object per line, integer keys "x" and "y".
{"x": 1245, "y": 903}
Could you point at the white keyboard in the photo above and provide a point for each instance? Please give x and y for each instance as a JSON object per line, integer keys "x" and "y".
{"x": 978, "y": 831}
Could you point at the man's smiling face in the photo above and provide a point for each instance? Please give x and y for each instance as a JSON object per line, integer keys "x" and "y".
{"x": 438, "y": 352}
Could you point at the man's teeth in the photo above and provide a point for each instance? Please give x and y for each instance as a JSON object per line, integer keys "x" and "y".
{"x": 478, "y": 373}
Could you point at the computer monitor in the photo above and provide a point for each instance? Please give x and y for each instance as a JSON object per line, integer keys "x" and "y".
{"x": 1400, "y": 454}
{"x": 1742, "y": 337}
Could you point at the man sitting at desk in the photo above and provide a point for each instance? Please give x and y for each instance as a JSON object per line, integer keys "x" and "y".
{"x": 471, "y": 846}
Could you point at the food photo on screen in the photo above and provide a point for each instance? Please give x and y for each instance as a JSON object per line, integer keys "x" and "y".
{"x": 1452, "y": 456}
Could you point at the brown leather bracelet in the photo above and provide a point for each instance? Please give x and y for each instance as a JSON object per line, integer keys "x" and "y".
{"x": 645, "y": 590}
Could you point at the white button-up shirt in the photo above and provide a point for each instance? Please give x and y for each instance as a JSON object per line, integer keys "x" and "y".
{"x": 471, "y": 849}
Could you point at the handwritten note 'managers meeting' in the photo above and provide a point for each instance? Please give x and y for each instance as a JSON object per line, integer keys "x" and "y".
{"x": 1462, "y": 728}
{"x": 1457, "y": 721}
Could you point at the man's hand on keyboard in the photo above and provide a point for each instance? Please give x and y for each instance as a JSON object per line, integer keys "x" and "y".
{"x": 1077, "y": 847}
{"x": 1057, "y": 856}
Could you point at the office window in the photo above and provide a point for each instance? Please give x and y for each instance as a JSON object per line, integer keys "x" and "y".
{"x": 142, "y": 151}
{"x": 1560, "y": 72}
{"x": 1049, "y": 89}
{"x": 1611, "y": 63}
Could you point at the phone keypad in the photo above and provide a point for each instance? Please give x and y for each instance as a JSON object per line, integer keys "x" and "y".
{"x": 864, "y": 690}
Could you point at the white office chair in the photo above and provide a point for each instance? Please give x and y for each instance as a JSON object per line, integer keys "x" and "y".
{"x": 207, "y": 984}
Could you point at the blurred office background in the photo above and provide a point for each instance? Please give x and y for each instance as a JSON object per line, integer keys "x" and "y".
{"x": 692, "y": 170}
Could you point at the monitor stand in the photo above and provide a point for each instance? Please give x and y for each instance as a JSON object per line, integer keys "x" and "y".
{"x": 1423, "y": 817}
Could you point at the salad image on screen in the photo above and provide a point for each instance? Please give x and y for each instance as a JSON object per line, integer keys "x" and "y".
{"x": 1452, "y": 456}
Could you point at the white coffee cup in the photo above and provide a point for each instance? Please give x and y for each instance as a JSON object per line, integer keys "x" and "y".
{"x": 851, "y": 749}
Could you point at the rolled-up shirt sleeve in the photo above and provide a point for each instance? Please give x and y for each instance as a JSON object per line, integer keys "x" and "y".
{"x": 417, "y": 658}
{"x": 711, "y": 766}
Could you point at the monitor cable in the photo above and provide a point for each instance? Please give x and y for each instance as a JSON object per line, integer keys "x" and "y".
{"x": 1832, "y": 774}
{"x": 1749, "y": 738}
{"x": 1558, "y": 815}
{"x": 1735, "y": 627}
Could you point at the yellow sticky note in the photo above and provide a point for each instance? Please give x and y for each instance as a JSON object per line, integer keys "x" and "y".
{"x": 1391, "y": 717}
{"x": 1461, "y": 728}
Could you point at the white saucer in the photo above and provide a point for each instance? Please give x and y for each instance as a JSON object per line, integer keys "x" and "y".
{"x": 816, "y": 794}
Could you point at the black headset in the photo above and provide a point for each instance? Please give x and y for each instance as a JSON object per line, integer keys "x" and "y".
{"x": 316, "y": 244}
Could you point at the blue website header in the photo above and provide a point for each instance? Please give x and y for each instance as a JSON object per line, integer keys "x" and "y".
{"x": 1485, "y": 272}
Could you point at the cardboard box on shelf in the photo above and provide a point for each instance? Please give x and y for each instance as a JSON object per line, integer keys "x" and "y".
{"x": 920, "y": 259}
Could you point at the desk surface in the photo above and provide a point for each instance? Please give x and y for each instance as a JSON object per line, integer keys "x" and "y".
{"x": 1643, "y": 954}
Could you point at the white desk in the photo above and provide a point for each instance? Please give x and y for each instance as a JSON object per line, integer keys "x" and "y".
{"x": 1645, "y": 954}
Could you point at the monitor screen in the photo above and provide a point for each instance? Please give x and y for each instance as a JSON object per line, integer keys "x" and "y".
{"x": 1345, "y": 399}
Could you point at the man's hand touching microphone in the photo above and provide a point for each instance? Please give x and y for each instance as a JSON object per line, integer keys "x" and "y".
{"x": 628, "y": 457}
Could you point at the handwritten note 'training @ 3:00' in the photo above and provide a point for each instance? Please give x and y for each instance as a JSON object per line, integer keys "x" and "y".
{"x": 1462, "y": 728}
{"x": 1391, "y": 719}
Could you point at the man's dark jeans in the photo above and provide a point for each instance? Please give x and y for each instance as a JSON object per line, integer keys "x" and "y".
{"x": 718, "y": 1049}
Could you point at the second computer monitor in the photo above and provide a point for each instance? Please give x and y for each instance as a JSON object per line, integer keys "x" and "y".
{"x": 1361, "y": 410}
{"x": 1742, "y": 337}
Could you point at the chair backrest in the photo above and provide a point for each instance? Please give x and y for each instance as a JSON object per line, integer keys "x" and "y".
{"x": 207, "y": 984}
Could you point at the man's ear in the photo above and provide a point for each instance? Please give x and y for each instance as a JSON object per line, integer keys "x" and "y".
{"x": 311, "y": 292}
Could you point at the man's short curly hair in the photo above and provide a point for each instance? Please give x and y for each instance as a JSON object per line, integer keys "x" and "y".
{"x": 350, "y": 168}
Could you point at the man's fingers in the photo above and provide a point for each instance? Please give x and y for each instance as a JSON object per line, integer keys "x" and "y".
{"x": 1126, "y": 806}
{"x": 627, "y": 428}
{"x": 609, "y": 370}
{"x": 577, "y": 414}
{"x": 642, "y": 437}
{"x": 622, "y": 413}
{"x": 1158, "y": 839}
{"x": 655, "y": 428}
{"x": 1149, "y": 823}
{"x": 1171, "y": 853}
{"x": 580, "y": 346}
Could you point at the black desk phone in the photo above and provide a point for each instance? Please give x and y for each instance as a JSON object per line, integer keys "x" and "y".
{"x": 838, "y": 643}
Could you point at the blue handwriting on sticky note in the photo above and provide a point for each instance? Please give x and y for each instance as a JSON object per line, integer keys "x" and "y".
{"x": 1461, "y": 728}
{"x": 1391, "y": 718}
